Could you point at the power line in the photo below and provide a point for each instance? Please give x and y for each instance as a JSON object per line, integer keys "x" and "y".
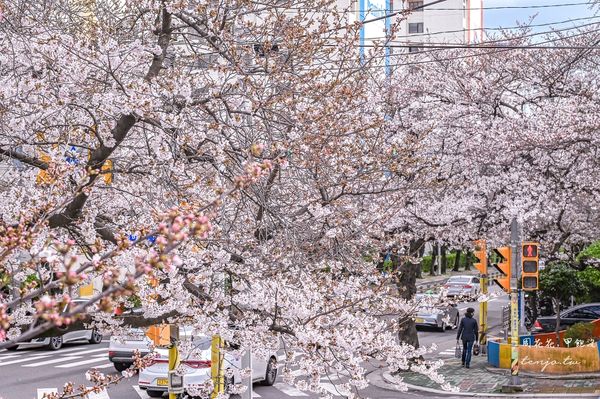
{"x": 498, "y": 29}
{"x": 425, "y": 7}
{"x": 478, "y": 54}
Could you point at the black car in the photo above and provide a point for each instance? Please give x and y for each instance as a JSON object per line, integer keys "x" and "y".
{"x": 577, "y": 314}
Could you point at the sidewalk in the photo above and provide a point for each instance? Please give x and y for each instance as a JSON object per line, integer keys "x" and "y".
{"x": 478, "y": 381}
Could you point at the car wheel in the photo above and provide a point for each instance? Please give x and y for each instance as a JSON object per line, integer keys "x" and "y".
{"x": 12, "y": 348}
{"x": 271, "y": 374}
{"x": 55, "y": 343}
{"x": 120, "y": 367}
{"x": 443, "y": 327}
{"x": 96, "y": 337}
{"x": 154, "y": 394}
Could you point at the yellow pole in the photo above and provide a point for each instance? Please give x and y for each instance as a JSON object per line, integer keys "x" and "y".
{"x": 173, "y": 363}
{"x": 216, "y": 367}
{"x": 483, "y": 307}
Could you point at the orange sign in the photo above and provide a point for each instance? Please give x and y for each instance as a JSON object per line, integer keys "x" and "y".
{"x": 160, "y": 334}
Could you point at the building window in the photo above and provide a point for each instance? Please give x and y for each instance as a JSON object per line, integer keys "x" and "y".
{"x": 414, "y": 4}
{"x": 415, "y": 27}
{"x": 415, "y": 49}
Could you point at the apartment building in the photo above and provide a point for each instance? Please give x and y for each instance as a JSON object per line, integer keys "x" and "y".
{"x": 450, "y": 21}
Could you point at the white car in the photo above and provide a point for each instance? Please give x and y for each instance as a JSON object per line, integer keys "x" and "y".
{"x": 463, "y": 286}
{"x": 91, "y": 335}
{"x": 197, "y": 369}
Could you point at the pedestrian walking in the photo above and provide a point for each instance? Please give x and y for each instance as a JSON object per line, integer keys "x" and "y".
{"x": 468, "y": 331}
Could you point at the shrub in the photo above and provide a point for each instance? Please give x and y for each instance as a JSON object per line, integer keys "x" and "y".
{"x": 580, "y": 331}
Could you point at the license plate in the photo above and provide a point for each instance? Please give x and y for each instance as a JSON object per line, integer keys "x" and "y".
{"x": 162, "y": 381}
{"x": 419, "y": 320}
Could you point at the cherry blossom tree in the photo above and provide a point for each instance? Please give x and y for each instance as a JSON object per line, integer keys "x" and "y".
{"x": 238, "y": 167}
{"x": 223, "y": 163}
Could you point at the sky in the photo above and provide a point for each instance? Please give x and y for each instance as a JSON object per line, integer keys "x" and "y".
{"x": 509, "y": 17}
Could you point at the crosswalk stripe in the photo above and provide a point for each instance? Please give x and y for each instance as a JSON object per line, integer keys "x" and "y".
{"x": 89, "y": 351}
{"x": 289, "y": 390}
{"x": 100, "y": 395}
{"x": 22, "y": 360}
{"x": 66, "y": 350}
{"x": 42, "y": 391}
{"x": 255, "y": 395}
{"x": 104, "y": 366}
{"x": 334, "y": 390}
{"x": 8, "y": 357}
{"x": 142, "y": 394}
{"x": 51, "y": 361}
{"x": 81, "y": 363}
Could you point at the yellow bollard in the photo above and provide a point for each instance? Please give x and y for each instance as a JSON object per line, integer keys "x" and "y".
{"x": 217, "y": 367}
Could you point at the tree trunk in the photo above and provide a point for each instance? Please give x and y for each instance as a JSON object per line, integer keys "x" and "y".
{"x": 407, "y": 288}
{"x": 434, "y": 255}
{"x": 444, "y": 259}
{"x": 469, "y": 260}
{"x": 457, "y": 260}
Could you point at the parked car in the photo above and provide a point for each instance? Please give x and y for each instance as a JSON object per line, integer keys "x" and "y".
{"x": 90, "y": 335}
{"x": 197, "y": 369}
{"x": 431, "y": 314}
{"x": 463, "y": 286}
{"x": 121, "y": 348}
{"x": 577, "y": 314}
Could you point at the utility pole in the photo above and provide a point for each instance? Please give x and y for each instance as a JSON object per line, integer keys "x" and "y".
{"x": 247, "y": 363}
{"x": 515, "y": 243}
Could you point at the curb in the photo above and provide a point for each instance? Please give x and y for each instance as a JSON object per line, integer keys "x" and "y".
{"x": 388, "y": 381}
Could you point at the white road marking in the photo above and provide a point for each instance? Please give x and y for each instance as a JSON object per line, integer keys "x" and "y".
{"x": 334, "y": 390}
{"x": 55, "y": 360}
{"x": 101, "y": 395}
{"x": 141, "y": 392}
{"x": 42, "y": 391}
{"x": 289, "y": 390}
{"x": 104, "y": 366}
{"x": 89, "y": 351}
{"x": 81, "y": 363}
{"x": 22, "y": 360}
{"x": 8, "y": 357}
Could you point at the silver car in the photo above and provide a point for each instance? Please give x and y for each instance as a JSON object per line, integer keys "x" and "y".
{"x": 90, "y": 335}
{"x": 463, "y": 286}
{"x": 435, "y": 313}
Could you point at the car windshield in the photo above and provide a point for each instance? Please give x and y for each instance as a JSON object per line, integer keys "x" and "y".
{"x": 459, "y": 279}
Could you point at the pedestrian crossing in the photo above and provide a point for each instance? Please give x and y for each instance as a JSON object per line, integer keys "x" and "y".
{"x": 62, "y": 359}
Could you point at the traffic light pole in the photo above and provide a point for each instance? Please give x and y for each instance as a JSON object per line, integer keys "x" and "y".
{"x": 515, "y": 242}
{"x": 483, "y": 308}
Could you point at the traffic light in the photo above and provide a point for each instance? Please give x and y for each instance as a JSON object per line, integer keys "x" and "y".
{"x": 530, "y": 262}
{"x": 481, "y": 255}
{"x": 504, "y": 267}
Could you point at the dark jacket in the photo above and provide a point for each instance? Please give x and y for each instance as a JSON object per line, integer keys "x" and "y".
{"x": 468, "y": 329}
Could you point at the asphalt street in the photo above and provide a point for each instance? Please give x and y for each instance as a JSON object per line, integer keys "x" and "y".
{"x": 30, "y": 372}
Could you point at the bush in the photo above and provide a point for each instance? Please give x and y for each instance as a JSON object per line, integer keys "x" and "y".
{"x": 580, "y": 331}
{"x": 590, "y": 278}
{"x": 590, "y": 254}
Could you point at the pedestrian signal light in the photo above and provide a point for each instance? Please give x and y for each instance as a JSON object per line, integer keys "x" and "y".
{"x": 530, "y": 263}
{"x": 504, "y": 267}
{"x": 481, "y": 255}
